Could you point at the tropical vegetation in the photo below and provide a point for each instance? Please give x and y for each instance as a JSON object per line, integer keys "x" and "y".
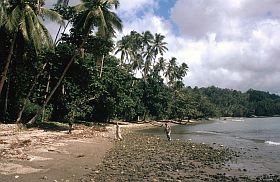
{"x": 85, "y": 75}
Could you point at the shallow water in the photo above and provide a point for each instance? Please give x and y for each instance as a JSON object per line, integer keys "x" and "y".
{"x": 258, "y": 140}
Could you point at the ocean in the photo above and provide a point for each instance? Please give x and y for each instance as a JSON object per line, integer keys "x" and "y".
{"x": 257, "y": 139}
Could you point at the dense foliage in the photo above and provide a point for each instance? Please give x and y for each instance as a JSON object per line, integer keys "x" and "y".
{"x": 85, "y": 75}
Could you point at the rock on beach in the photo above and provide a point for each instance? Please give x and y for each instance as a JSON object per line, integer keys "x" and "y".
{"x": 141, "y": 157}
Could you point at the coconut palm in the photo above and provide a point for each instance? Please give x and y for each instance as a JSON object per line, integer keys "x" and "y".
{"x": 171, "y": 71}
{"x": 97, "y": 13}
{"x": 174, "y": 72}
{"x": 124, "y": 47}
{"x": 160, "y": 66}
{"x": 147, "y": 39}
{"x": 159, "y": 47}
{"x": 23, "y": 18}
{"x": 66, "y": 12}
{"x": 182, "y": 71}
{"x": 91, "y": 14}
{"x": 130, "y": 47}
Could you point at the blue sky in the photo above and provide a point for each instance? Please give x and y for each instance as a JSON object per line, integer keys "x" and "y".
{"x": 224, "y": 42}
{"x": 164, "y": 7}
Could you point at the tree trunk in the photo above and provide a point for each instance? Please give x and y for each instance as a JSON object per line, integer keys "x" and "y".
{"x": 7, "y": 63}
{"x": 29, "y": 94}
{"x": 56, "y": 37}
{"x": 32, "y": 121}
{"x": 7, "y": 96}
{"x": 101, "y": 66}
{"x": 45, "y": 97}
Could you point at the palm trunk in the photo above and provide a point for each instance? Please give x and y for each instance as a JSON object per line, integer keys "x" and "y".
{"x": 101, "y": 66}
{"x": 65, "y": 3}
{"x": 45, "y": 97}
{"x": 7, "y": 96}
{"x": 7, "y": 63}
{"x": 29, "y": 94}
{"x": 56, "y": 37}
{"x": 32, "y": 121}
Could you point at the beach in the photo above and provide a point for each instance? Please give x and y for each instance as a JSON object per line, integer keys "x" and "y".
{"x": 148, "y": 158}
{"x": 93, "y": 154}
{"x": 33, "y": 155}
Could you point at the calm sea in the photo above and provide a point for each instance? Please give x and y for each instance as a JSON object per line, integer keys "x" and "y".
{"x": 258, "y": 140}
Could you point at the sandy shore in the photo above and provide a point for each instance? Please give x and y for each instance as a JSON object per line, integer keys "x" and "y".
{"x": 93, "y": 154}
{"x": 34, "y": 155}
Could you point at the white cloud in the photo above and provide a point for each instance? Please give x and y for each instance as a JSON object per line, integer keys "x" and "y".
{"x": 244, "y": 47}
{"x": 231, "y": 44}
{"x": 128, "y": 9}
{"x": 149, "y": 22}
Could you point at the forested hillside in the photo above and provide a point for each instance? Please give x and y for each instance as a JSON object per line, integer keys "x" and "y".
{"x": 86, "y": 75}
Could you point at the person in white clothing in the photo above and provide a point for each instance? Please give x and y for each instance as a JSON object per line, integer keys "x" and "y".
{"x": 118, "y": 132}
{"x": 168, "y": 131}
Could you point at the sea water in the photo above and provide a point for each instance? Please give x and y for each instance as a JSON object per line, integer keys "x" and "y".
{"x": 257, "y": 139}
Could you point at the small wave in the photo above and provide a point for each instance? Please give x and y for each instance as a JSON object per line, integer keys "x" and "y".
{"x": 272, "y": 143}
{"x": 238, "y": 120}
{"x": 208, "y": 132}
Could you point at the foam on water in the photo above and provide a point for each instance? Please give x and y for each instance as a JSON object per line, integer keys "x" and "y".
{"x": 272, "y": 143}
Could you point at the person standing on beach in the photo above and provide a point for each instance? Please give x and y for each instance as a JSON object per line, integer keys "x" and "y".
{"x": 168, "y": 131}
{"x": 118, "y": 132}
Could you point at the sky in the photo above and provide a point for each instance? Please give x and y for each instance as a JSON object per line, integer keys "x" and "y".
{"x": 226, "y": 43}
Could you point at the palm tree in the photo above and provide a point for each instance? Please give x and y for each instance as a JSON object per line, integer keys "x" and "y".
{"x": 124, "y": 47}
{"x": 23, "y": 18}
{"x": 160, "y": 66}
{"x": 131, "y": 49}
{"x": 136, "y": 56}
{"x": 91, "y": 14}
{"x": 182, "y": 71}
{"x": 65, "y": 11}
{"x": 174, "y": 72}
{"x": 147, "y": 39}
{"x": 159, "y": 47}
{"x": 170, "y": 71}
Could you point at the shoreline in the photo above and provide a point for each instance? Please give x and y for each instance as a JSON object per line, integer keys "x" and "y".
{"x": 93, "y": 154}
{"x": 142, "y": 157}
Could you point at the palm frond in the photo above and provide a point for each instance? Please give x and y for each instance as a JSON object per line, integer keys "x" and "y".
{"x": 116, "y": 3}
{"x": 29, "y": 31}
{"x": 80, "y": 7}
{"x": 62, "y": 2}
{"x": 52, "y": 15}
{"x": 14, "y": 19}
{"x": 103, "y": 26}
{"x": 36, "y": 32}
{"x": 87, "y": 22}
{"x": 3, "y": 12}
